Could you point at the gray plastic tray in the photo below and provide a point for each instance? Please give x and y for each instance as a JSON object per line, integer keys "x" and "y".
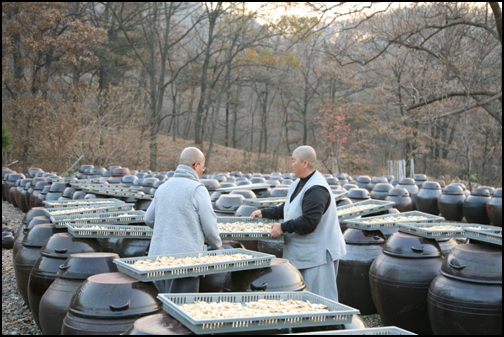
{"x": 490, "y": 234}
{"x": 258, "y": 260}
{"x": 375, "y": 206}
{"x": 340, "y": 194}
{"x": 87, "y": 209}
{"x": 109, "y": 231}
{"x": 391, "y": 225}
{"x": 338, "y": 313}
{"x": 430, "y": 230}
{"x": 244, "y": 187}
{"x": 264, "y": 202}
{"x": 81, "y": 203}
{"x": 126, "y": 217}
{"x": 246, "y": 235}
{"x": 118, "y": 193}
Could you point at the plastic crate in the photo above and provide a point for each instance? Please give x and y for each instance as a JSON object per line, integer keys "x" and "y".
{"x": 490, "y": 234}
{"x": 383, "y": 331}
{"x": 435, "y": 230}
{"x": 390, "y": 225}
{"x": 109, "y": 231}
{"x": 338, "y": 313}
{"x": 372, "y": 206}
{"x": 121, "y": 194}
{"x": 243, "y": 236}
{"x": 258, "y": 260}
{"x": 126, "y": 217}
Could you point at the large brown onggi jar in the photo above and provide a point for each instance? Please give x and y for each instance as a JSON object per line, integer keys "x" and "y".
{"x": 494, "y": 208}
{"x": 465, "y": 298}
{"x": 451, "y": 203}
{"x": 353, "y": 271}
{"x": 400, "y": 278}
{"x": 73, "y": 272}
{"x": 428, "y": 196}
{"x": 54, "y": 252}
{"x": 475, "y": 206}
{"x": 401, "y": 198}
{"x": 108, "y": 304}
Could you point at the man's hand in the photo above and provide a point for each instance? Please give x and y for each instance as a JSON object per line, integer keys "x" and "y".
{"x": 256, "y": 213}
{"x": 276, "y": 229}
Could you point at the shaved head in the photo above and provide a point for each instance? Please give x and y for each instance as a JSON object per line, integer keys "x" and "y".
{"x": 191, "y": 155}
{"x": 306, "y": 152}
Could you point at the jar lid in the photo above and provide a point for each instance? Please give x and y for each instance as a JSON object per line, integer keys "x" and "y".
{"x": 453, "y": 190}
{"x": 382, "y": 187}
{"x": 38, "y": 235}
{"x": 80, "y": 266}
{"x": 406, "y": 245}
{"x": 497, "y": 193}
{"x": 358, "y": 193}
{"x": 431, "y": 185}
{"x": 363, "y": 179}
{"x": 399, "y": 192}
{"x": 407, "y": 181}
{"x": 61, "y": 245}
{"x": 474, "y": 262}
{"x": 481, "y": 192}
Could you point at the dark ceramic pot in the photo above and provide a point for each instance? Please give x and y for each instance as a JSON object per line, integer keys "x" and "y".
{"x": 451, "y": 203}
{"x": 73, "y": 272}
{"x": 475, "y": 206}
{"x": 401, "y": 198}
{"x": 466, "y": 297}
{"x": 400, "y": 278}
{"x": 494, "y": 208}
{"x": 108, "y": 304}
{"x": 428, "y": 196}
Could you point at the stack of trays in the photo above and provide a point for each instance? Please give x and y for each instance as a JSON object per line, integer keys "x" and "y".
{"x": 126, "y": 217}
{"x": 363, "y": 208}
{"x": 387, "y": 224}
{"x": 336, "y": 313}
{"x": 257, "y": 260}
{"x": 247, "y": 233}
{"x": 490, "y": 234}
{"x": 109, "y": 231}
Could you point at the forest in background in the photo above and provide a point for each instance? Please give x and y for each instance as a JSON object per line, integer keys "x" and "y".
{"x": 364, "y": 84}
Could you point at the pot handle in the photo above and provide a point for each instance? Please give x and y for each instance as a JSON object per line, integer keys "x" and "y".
{"x": 122, "y": 307}
{"x": 61, "y": 251}
{"x": 457, "y": 267}
{"x": 417, "y": 250}
{"x": 263, "y": 287}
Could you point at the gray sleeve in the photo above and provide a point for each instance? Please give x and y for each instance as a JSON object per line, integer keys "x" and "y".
{"x": 208, "y": 219}
{"x": 150, "y": 214}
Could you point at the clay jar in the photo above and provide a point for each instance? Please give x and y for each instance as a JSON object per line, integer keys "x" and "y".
{"x": 358, "y": 194}
{"x": 475, "y": 206}
{"x": 410, "y": 185}
{"x": 353, "y": 272}
{"x": 400, "y": 278}
{"x": 428, "y": 196}
{"x": 28, "y": 254}
{"x": 54, "y": 252}
{"x": 401, "y": 198}
{"x": 363, "y": 181}
{"x": 73, "y": 272}
{"x": 451, "y": 203}
{"x": 108, "y": 304}
{"x": 281, "y": 275}
{"x": 380, "y": 191}
{"x": 466, "y": 297}
{"x": 494, "y": 208}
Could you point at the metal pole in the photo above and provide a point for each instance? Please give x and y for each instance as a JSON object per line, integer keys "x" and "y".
{"x": 15, "y": 161}
{"x": 71, "y": 167}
